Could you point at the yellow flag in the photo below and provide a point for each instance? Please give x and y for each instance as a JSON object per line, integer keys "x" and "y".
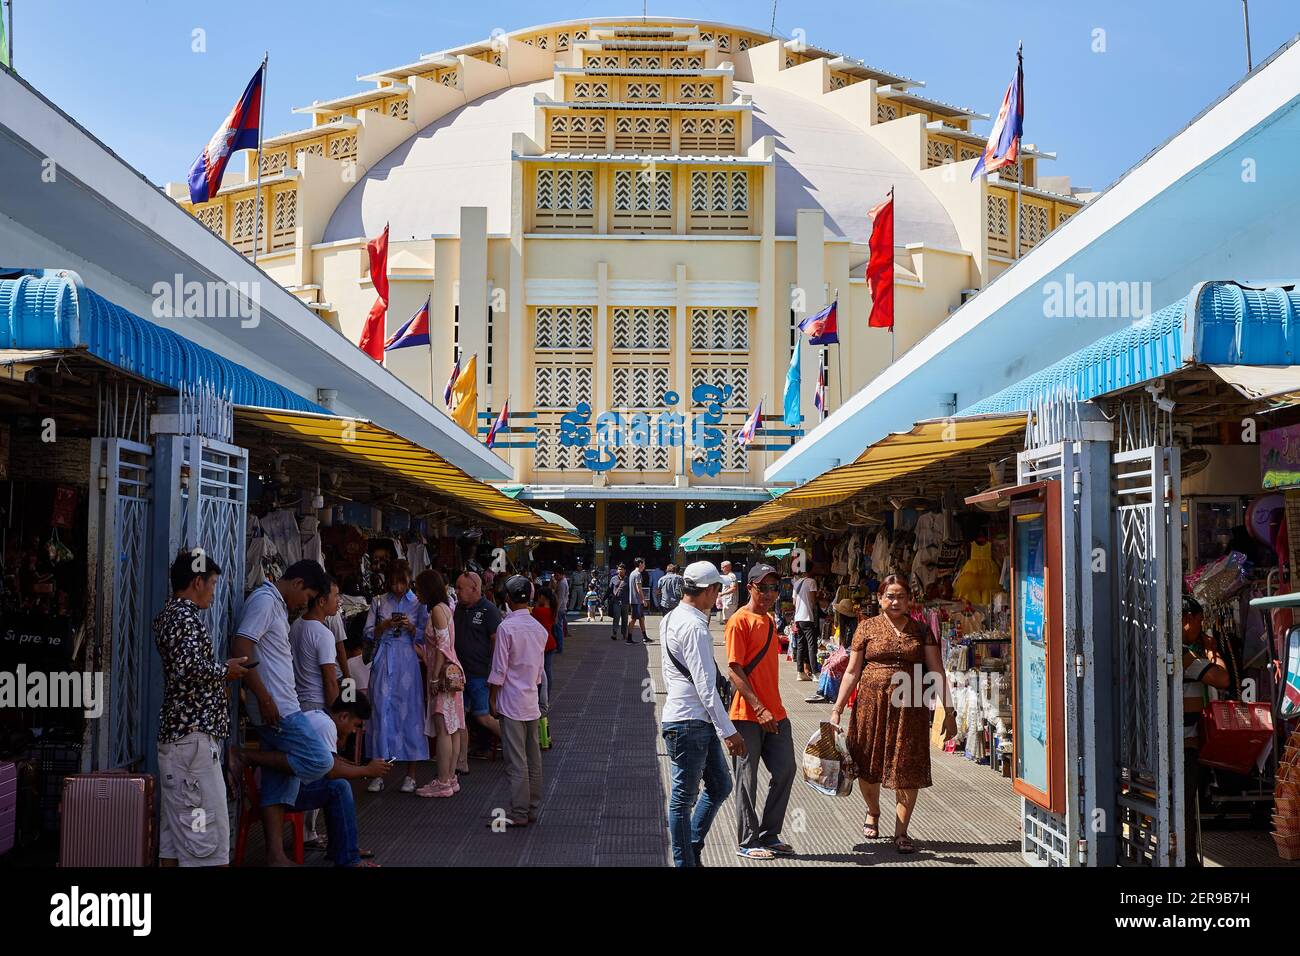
{"x": 464, "y": 397}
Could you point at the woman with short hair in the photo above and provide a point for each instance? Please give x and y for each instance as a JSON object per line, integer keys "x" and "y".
{"x": 889, "y": 738}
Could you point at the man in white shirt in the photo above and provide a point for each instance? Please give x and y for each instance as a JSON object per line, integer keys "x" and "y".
{"x": 805, "y": 626}
{"x": 730, "y": 592}
{"x": 694, "y": 716}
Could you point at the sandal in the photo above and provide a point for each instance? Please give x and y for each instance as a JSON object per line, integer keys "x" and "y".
{"x": 315, "y": 843}
{"x": 366, "y": 854}
{"x": 871, "y": 831}
{"x": 755, "y": 853}
{"x": 903, "y": 844}
{"x": 364, "y": 864}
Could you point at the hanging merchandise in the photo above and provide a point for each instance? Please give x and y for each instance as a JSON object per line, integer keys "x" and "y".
{"x": 64, "y": 509}
{"x": 56, "y": 550}
{"x": 977, "y": 581}
{"x": 309, "y": 539}
{"x": 282, "y": 528}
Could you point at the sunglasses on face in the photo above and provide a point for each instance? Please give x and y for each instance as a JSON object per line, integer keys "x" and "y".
{"x": 767, "y": 588}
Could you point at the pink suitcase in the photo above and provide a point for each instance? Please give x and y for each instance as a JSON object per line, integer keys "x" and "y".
{"x": 106, "y": 819}
{"x": 8, "y": 806}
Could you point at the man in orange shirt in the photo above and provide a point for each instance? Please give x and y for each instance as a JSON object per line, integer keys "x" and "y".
{"x": 753, "y": 657}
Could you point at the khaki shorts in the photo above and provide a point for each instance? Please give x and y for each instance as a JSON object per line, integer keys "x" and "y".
{"x": 194, "y": 823}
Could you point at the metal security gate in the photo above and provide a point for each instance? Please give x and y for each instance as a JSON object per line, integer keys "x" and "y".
{"x": 118, "y": 534}
{"x": 215, "y": 519}
{"x": 1147, "y": 509}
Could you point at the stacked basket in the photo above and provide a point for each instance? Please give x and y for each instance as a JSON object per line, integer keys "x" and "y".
{"x": 1286, "y": 809}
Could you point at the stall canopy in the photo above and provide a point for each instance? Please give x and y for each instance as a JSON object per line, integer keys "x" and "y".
{"x": 388, "y": 457}
{"x": 1246, "y": 338}
{"x": 896, "y": 457}
{"x": 690, "y": 541}
{"x": 558, "y": 520}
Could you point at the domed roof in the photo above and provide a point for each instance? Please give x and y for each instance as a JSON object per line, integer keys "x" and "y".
{"x": 463, "y": 159}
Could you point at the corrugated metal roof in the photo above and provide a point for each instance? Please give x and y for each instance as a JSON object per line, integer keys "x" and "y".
{"x": 1217, "y": 323}
{"x": 53, "y": 312}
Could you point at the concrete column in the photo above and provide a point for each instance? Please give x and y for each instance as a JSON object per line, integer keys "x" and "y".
{"x": 600, "y": 535}
{"x": 810, "y": 273}
{"x": 773, "y": 307}
{"x": 473, "y": 295}
{"x": 600, "y": 396}
{"x": 682, "y": 374}
{"x": 516, "y": 346}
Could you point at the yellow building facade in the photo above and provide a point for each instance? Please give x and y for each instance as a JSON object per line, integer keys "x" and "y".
{"x": 615, "y": 216}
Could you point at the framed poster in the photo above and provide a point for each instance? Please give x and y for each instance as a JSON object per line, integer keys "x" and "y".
{"x": 1037, "y": 644}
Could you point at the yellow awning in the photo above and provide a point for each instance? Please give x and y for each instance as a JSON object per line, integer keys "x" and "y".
{"x": 894, "y": 456}
{"x": 366, "y": 444}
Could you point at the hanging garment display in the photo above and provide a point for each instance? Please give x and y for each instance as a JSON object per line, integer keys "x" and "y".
{"x": 880, "y": 553}
{"x": 929, "y": 530}
{"x": 977, "y": 581}
{"x": 282, "y": 528}
{"x": 309, "y": 543}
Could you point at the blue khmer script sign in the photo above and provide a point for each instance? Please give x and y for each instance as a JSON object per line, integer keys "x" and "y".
{"x": 666, "y": 429}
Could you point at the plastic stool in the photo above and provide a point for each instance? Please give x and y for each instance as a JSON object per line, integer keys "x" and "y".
{"x": 252, "y": 804}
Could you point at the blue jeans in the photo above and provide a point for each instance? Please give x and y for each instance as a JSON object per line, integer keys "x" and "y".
{"x": 696, "y": 754}
{"x": 307, "y": 754}
{"x": 546, "y": 666}
{"x": 334, "y": 796}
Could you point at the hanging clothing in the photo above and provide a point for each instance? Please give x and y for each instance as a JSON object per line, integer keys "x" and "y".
{"x": 417, "y": 556}
{"x": 309, "y": 540}
{"x": 282, "y": 528}
{"x": 977, "y": 581}
{"x": 880, "y": 554}
{"x": 929, "y": 530}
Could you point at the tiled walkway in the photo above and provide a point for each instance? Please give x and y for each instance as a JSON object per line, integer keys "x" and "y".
{"x": 606, "y": 786}
{"x": 607, "y": 780}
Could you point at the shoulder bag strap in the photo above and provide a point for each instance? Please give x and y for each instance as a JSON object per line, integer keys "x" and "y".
{"x": 749, "y": 668}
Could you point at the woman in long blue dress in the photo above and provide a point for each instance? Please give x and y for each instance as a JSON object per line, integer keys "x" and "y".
{"x": 396, "y": 729}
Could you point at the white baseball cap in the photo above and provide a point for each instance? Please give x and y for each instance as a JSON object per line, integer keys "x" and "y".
{"x": 701, "y": 574}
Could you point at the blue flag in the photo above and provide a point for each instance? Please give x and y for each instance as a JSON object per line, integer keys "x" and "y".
{"x": 792, "y": 383}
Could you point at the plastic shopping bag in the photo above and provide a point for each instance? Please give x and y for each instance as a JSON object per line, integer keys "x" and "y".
{"x": 827, "y": 766}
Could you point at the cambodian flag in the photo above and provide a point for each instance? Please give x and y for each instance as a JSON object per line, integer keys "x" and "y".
{"x": 823, "y": 328}
{"x": 451, "y": 383}
{"x": 746, "y": 434}
{"x": 1004, "y": 141}
{"x": 502, "y": 421}
{"x": 239, "y": 131}
{"x": 414, "y": 332}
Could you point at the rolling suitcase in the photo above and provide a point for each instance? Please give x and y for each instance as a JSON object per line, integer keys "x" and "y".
{"x": 106, "y": 819}
{"x": 8, "y": 806}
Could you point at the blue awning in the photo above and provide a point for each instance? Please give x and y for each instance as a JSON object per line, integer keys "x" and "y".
{"x": 1217, "y": 324}
{"x": 53, "y": 312}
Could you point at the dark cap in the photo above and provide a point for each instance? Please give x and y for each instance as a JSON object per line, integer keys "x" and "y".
{"x": 519, "y": 589}
{"x": 760, "y": 571}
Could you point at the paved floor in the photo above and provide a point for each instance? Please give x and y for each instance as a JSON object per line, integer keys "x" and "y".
{"x": 607, "y": 780}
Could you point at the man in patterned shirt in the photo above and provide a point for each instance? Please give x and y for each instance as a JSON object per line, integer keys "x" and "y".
{"x": 194, "y": 829}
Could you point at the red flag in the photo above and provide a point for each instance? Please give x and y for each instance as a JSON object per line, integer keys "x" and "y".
{"x": 880, "y": 267}
{"x": 373, "y": 331}
{"x": 378, "y": 250}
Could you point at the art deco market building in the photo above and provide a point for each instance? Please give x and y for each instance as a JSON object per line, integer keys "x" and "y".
{"x": 615, "y": 212}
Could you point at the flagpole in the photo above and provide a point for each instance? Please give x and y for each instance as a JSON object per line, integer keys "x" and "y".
{"x": 9, "y": 35}
{"x": 261, "y": 129}
{"x": 824, "y": 375}
{"x": 839, "y": 359}
{"x": 1020, "y": 65}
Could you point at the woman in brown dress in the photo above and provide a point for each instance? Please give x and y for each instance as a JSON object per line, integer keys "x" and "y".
{"x": 890, "y": 664}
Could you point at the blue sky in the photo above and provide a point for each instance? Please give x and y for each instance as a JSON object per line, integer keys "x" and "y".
{"x": 126, "y": 71}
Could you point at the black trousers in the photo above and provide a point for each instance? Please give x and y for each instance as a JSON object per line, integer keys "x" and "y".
{"x": 805, "y": 646}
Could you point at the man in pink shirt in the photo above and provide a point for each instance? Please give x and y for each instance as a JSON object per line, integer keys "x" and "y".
{"x": 517, "y": 664}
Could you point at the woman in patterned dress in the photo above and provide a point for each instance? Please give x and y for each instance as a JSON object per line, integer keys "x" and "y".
{"x": 896, "y": 667}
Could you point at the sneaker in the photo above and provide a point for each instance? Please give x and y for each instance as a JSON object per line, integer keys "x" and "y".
{"x": 629, "y": 639}
{"x": 649, "y": 640}
{"x": 804, "y": 676}
{"x": 408, "y": 785}
{"x": 375, "y": 785}
{"x": 455, "y": 783}
{"x": 816, "y": 699}
{"x": 436, "y": 788}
